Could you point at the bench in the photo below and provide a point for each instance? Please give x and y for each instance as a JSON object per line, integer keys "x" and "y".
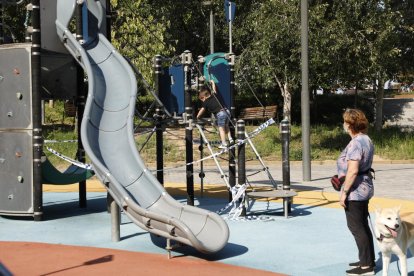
{"x": 69, "y": 110}
{"x": 258, "y": 113}
{"x": 286, "y": 195}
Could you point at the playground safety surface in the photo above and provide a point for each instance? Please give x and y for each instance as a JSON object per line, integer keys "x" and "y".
{"x": 314, "y": 240}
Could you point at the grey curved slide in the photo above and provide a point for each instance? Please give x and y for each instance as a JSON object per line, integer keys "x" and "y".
{"x": 107, "y": 135}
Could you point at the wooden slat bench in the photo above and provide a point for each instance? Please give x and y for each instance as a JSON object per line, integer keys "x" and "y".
{"x": 69, "y": 110}
{"x": 258, "y": 113}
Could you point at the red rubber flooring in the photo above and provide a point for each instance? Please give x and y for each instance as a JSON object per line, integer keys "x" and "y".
{"x": 25, "y": 258}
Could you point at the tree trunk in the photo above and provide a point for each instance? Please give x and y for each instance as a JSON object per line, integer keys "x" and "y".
{"x": 379, "y": 100}
{"x": 287, "y": 101}
{"x": 287, "y": 96}
{"x": 356, "y": 95}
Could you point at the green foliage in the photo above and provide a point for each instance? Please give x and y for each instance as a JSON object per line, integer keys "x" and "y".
{"x": 68, "y": 149}
{"x": 327, "y": 109}
{"x": 271, "y": 57}
{"x": 392, "y": 143}
{"x": 138, "y": 35}
{"x": 14, "y": 17}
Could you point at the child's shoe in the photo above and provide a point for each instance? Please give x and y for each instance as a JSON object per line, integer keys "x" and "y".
{"x": 223, "y": 146}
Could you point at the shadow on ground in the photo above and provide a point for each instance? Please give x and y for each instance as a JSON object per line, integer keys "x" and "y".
{"x": 229, "y": 251}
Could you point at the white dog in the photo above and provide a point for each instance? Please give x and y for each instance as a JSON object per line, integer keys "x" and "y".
{"x": 395, "y": 234}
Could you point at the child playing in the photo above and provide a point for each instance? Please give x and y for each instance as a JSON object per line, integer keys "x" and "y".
{"x": 222, "y": 114}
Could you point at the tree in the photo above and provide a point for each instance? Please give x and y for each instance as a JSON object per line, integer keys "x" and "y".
{"x": 138, "y": 35}
{"x": 272, "y": 52}
{"x": 13, "y": 17}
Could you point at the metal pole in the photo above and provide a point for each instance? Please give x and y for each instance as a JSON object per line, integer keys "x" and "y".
{"x": 115, "y": 219}
{"x": 211, "y": 24}
{"x": 241, "y": 159}
{"x": 230, "y": 31}
{"x": 306, "y": 162}
{"x": 28, "y": 30}
{"x": 285, "y": 137}
{"x": 37, "y": 116}
{"x": 211, "y": 29}
{"x": 200, "y": 82}
{"x": 80, "y": 102}
{"x": 158, "y": 125}
{"x": 232, "y": 152}
{"x": 202, "y": 173}
{"x": 108, "y": 19}
{"x": 186, "y": 60}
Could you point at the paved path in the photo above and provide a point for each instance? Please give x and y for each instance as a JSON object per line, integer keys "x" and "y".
{"x": 391, "y": 180}
{"x": 399, "y": 111}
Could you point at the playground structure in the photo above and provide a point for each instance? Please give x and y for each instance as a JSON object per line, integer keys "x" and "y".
{"x": 106, "y": 128}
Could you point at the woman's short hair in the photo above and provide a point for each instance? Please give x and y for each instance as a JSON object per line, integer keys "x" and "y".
{"x": 356, "y": 119}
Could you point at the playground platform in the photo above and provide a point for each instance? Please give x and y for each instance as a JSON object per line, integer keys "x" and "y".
{"x": 314, "y": 240}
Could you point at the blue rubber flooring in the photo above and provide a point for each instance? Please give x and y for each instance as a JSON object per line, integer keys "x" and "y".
{"x": 312, "y": 241}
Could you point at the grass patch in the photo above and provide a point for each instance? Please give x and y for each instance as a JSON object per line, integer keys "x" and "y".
{"x": 393, "y": 144}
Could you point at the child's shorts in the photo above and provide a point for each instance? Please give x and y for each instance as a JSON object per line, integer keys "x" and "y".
{"x": 223, "y": 118}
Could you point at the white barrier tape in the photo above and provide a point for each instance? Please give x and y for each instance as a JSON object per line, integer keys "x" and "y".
{"x": 253, "y": 218}
{"x": 70, "y": 160}
{"x": 236, "y": 211}
{"x": 236, "y": 193}
{"x": 59, "y": 141}
{"x": 198, "y": 142}
{"x": 239, "y": 142}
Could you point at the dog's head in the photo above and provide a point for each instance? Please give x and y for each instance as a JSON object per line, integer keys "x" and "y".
{"x": 388, "y": 222}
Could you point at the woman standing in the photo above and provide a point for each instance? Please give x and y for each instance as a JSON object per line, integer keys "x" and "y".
{"x": 355, "y": 163}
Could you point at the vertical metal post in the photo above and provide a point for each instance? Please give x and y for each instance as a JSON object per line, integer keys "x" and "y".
{"x": 211, "y": 24}
{"x": 108, "y": 19}
{"x": 201, "y": 79}
{"x": 211, "y": 29}
{"x": 285, "y": 137}
{"x": 306, "y": 162}
{"x": 230, "y": 30}
{"x": 37, "y": 113}
{"x": 186, "y": 60}
{"x": 28, "y": 30}
{"x": 202, "y": 173}
{"x": 158, "y": 117}
{"x": 200, "y": 82}
{"x": 80, "y": 103}
{"x": 115, "y": 219}
{"x": 241, "y": 159}
{"x": 232, "y": 152}
{"x": 79, "y": 22}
